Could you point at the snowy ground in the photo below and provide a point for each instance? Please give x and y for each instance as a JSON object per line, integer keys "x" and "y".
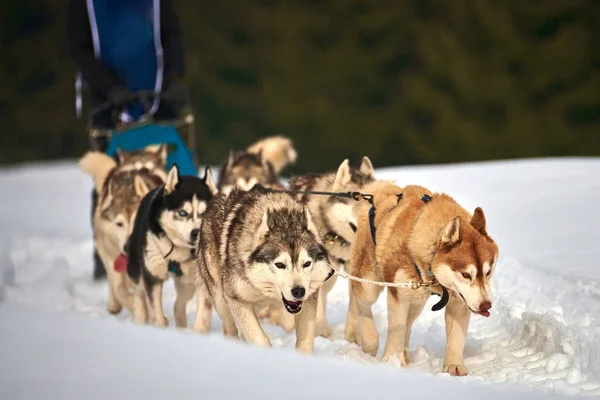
{"x": 542, "y": 339}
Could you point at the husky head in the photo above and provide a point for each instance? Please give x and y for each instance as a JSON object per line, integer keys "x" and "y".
{"x": 152, "y": 157}
{"x": 339, "y": 213}
{"x": 465, "y": 261}
{"x": 181, "y": 205}
{"x": 119, "y": 203}
{"x": 244, "y": 170}
{"x": 120, "y": 190}
{"x": 289, "y": 260}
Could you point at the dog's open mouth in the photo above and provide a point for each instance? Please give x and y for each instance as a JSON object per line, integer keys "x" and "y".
{"x": 293, "y": 307}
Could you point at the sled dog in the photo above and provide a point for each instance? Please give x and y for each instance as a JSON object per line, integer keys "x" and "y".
{"x": 257, "y": 248}
{"x": 119, "y": 189}
{"x": 154, "y": 159}
{"x": 335, "y": 221}
{"x": 417, "y": 235}
{"x": 260, "y": 163}
{"x": 161, "y": 245}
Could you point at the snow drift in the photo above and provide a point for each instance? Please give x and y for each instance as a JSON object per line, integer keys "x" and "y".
{"x": 543, "y": 338}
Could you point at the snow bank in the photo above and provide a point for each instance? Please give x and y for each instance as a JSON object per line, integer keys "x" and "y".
{"x": 543, "y": 335}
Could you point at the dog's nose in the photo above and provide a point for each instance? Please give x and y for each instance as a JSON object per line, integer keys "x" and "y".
{"x": 194, "y": 234}
{"x": 126, "y": 248}
{"x": 298, "y": 292}
{"x": 485, "y": 306}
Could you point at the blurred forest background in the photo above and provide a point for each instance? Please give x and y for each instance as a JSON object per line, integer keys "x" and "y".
{"x": 403, "y": 81}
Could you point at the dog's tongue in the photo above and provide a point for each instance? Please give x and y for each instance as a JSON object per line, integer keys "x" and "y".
{"x": 484, "y": 313}
{"x": 120, "y": 264}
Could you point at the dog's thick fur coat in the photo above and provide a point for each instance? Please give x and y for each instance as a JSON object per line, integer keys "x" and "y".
{"x": 120, "y": 188}
{"x": 419, "y": 238}
{"x": 162, "y": 242}
{"x": 258, "y": 248}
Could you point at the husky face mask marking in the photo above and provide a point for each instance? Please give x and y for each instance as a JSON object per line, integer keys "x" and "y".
{"x": 119, "y": 207}
{"x": 466, "y": 260}
{"x": 184, "y": 202}
{"x": 290, "y": 261}
{"x": 244, "y": 170}
{"x": 339, "y": 212}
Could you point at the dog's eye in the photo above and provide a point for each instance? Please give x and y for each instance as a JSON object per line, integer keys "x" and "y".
{"x": 182, "y": 213}
{"x": 489, "y": 273}
{"x": 280, "y": 265}
{"x": 120, "y": 224}
{"x": 466, "y": 275}
{"x": 353, "y": 227}
{"x": 306, "y": 264}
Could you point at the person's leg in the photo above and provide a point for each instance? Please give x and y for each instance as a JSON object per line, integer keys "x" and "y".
{"x": 99, "y": 269}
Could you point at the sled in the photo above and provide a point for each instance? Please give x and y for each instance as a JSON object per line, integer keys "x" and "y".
{"x": 177, "y": 134}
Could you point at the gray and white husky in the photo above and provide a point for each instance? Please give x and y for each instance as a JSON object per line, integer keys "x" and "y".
{"x": 162, "y": 243}
{"x": 334, "y": 218}
{"x": 260, "y": 163}
{"x": 257, "y": 248}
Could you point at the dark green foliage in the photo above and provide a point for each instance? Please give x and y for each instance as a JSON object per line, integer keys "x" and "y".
{"x": 405, "y": 82}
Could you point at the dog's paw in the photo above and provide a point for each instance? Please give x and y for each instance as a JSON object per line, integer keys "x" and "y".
{"x": 351, "y": 336}
{"x": 407, "y": 356}
{"x": 455, "y": 369}
{"x": 162, "y": 322}
{"x": 370, "y": 348}
{"x": 323, "y": 330}
{"x": 396, "y": 358}
{"x": 113, "y": 307}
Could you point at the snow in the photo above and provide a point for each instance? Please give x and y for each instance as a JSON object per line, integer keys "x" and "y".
{"x": 542, "y": 340}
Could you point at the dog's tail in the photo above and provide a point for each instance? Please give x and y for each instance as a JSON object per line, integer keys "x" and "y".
{"x": 98, "y": 165}
{"x": 277, "y": 150}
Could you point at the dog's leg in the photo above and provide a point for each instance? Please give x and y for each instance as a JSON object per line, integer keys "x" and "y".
{"x": 113, "y": 305}
{"x": 124, "y": 297}
{"x": 185, "y": 292}
{"x": 351, "y": 330}
{"x": 398, "y": 306}
{"x": 365, "y": 297}
{"x": 140, "y": 310}
{"x": 416, "y": 308}
{"x": 306, "y": 325}
{"x": 457, "y": 323}
{"x": 246, "y": 320}
{"x": 322, "y": 325}
{"x": 156, "y": 291}
{"x": 229, "y": 326}
{"x": 203, "y": 311}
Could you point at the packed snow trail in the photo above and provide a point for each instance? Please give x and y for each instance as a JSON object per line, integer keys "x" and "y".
{"x": 544, "y": 331}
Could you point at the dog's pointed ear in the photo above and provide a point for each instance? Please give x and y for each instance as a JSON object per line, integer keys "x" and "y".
{"x": 451, "y": 234}
{"x": 263, "y": 229}
{"x": 366, "y": 167}
{"x": 173, "y": 179}
{"x": 478, "y": 221}
{"x": 310, "y": 225}
{"x": 209, "y": 181}
{"x": 141, "y": 189}
{"x": 120, "y": 155}
{"x": 163, "y": 153}
{"x": 343, "y": 176}
{"x": 230, "y": 159}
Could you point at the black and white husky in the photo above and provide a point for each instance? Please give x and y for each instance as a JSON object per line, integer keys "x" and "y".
{"x": 161, "y": 244}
